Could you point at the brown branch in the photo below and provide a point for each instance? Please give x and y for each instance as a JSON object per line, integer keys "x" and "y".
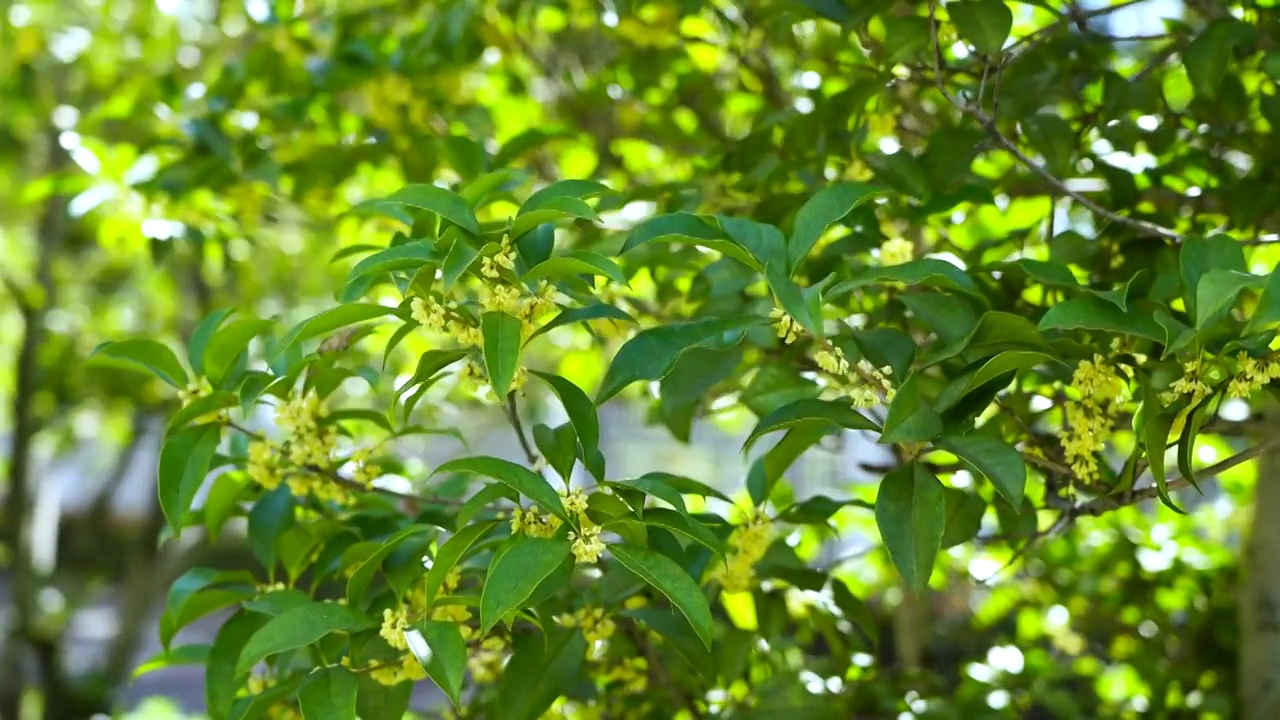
{"x": 1012, "y": 148}
{"x": 1102, "y": 505}
{"x": 513, "y": 417}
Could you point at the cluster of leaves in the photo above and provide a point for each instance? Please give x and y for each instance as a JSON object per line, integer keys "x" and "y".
{"x": 1058, "y": 369}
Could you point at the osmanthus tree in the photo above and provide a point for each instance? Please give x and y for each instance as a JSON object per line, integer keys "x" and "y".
{"x": 959, "y": 252}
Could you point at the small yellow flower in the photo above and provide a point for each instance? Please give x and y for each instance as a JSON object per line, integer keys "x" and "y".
{"x": 896, "y": 252}
{"x": 749, "y": 542}
{"x": 587, "y": 546}
{"x": 195, "y": 390}
{"x": 575, "y": 502}
{"x": 486, "y": 662}
{"x": 787, "y": 327}
{"x": 832, "y": 360}
{"x": 394, "y": 624}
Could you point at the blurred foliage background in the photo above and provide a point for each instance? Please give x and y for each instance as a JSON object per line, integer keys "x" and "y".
{"x": 160, "y": 159}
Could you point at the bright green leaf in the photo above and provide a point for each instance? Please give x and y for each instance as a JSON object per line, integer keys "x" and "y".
{"x": 501, "y": 349}
{"x": 672, "y": 581}
{"x": 515, "y": 573}
{"x": 911, "y": 516}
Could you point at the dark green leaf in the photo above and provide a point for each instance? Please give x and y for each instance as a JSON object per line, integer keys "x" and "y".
{"x": 826, "y": 207}
{"x": 652, "y": 353}
{"x": 1267, "y": 312}
{"x": 221, "y": 676}
{"x": 519, "y": 478}
{"x": 997, "y": 461}
{"x": 911, "y": 418}
{"x": 363, "y": 574}
{"x": 329, "y": 694}
{"x": 450, "y": 553}
{"x": 443, "y": 653}
{"x": 446, "y": 204}
{"x": 984, "y": 23}
{"x": 200, "y": 338}
{"x": 582, "y": 262}
{"x": 672, "y": 581}
{"x": 328, "y": 321}
{"x": 146, "y": 354}
{"x": 516, "y": 573}
{"x": 1217, "y": 292}
{"x": 579, "y": 408}
{"x": 501, "y": 349}
{"x": 184, "y": 464}
{"x": 911, "y": 516}
{"x": 964, "y": 516}
{"x": 538, "y": 673}
{"x": 297, "y": 628}
{"x": 1091, "y": 313}
{"x": 827, "y": 412}
{"x": 598, "y": 311}
{"x": 688, "y": 228}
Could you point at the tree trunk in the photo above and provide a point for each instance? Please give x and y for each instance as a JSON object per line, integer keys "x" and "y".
{"x": 1260, "y": 593}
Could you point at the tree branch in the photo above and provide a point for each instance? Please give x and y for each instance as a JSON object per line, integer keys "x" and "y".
{"x": 1012, "y": 148}
{"x": 1102, "y": 505}
{"x": 513, "y": 416}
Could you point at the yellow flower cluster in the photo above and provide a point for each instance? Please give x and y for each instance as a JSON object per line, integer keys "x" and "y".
{"x": 632, "y": 674}
{"x": 1193, "y": 383}
{"x": 504, "y": 258}
{"x": 534, "y": 524}
{"x": 1090, "y": 419}
{"x": 486, "y": 662}
{"x": 896, "y": 252}
{"x": 1252, "y": 374}
{"x": 365, "y": 470}
{"x": 786, "y": 326}
{"x": 309, "y": 442}
{"x": 443, "y": 319}
{"x": 864, "y": 383}
{"x": 587, "y": 543}
{"x": 406, "y": 669}
{"x": 597, "y": 627}
{"x": 195, "y": 390}
{"x": 749, "y": 542}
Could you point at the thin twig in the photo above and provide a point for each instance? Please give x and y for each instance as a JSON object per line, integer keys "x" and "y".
{"x": 1103, "y": 505}
{"x": 1021, "y": 552}
{"x": 348, "y": 482}
{"x": 1009, "y": 145}
{"x": 513, "y": 416}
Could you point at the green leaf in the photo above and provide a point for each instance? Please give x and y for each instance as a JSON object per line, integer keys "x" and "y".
{"x": 515, "y": 573}
{"x": 1051, "y": 136}
{"x": 652, "y": 353}
{"x": 577, "y": 189}
{"x": 482, "y": 187}
{"x": 1091, "y": 313}
{"x": 501, "y": 349}
{"x": 538, "y": 673}
{"x": 272, "y": 515}
{"x": 297, "y": 628}
{"x": 911, "y": 515}
{"x": 581, "y": 411}
{"x": 1176, "y": 87}
{"x": 1207, "y": 58}
{"x": 1217, "y": 291}
{"x": 806, "y": 308}
{"x": 964, "y": 516}
{"x": 450, "y": 553}
{"x": 672, "y": 581}
{"x": 1198, "y": 256}
{"x": 329, "y": 694}
{"x": 442, "y": 653}
{"x": 376, "y": 701}
{"x": 200, "y": 338}
{"x": 181, "y": 655}
{"x": 598, "y": 311}
{"x": 766, "y": 243}
{"x": 676, "y": 631}
{"x": 1187, "y": 440}
{"x": 1267, "y": 312}
{"x": 408, "y": 256}
{"x": 910, "y": 418}
{"x": 517, "y": 477}
{"x": 1155, "y": 433}
{"x": 582, "y": 262}
{"x": 1000, "y": 463}
{"x": 559, "y": 447}
{"x": 984, "y": 23}
{"x": 826, "y": 207}
{"x": 146, "y": 354}
{"x": 769, "y": 468}
{"x": 1006, "y": 362}
{"x": 328, "y": 321}
{"x": 855, "y": 611}
{"x": 564, "y": 208}
{"x": 227, "y": 344}
{"x": 221, "y": 678}
{"x": 363, "y": 574}
{"x": 462, "y": 253}
{"x": 446, "y": 204}
{"x": 688, "y": 228}
{"x": 816, "y": 510}
{"x": 678, "y": 522}
{"x": 221, "y": 502}
{"x": 925, "y": 271}
{"x": 827, "y": 412}
{"x": 184, "y": 464}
